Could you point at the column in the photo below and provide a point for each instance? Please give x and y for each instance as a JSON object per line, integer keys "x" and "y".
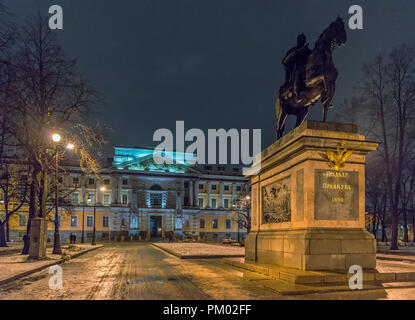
{"x": 191, "y": 197}
{"x": 208, "y": 194}
{"x": 220, "y": 195}
{"x": 119, "y": 189}
{"x": 196, "y": 192}
{"x": 233, "y": 193}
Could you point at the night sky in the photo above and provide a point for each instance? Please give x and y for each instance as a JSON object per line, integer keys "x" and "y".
{"x": 213, "y": 64}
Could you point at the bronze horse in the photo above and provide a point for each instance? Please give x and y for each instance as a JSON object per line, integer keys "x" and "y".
{"x": 320, "y": 79}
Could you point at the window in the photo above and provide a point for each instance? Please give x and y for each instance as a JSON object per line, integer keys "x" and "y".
{"x": 186, "y": 184}
{"x": 202, "y": 223}
{"x": 89, "y": 221}
{"x": 60, "y": 179}
{"x": 156, "y": 199}
{"x": 124, "y": 199}
{"x": 59, "y": 220}
{"x": 90, "y": 198}
{"x": 105, "y": 221}
{"x": 228, "y": 223}
{"x": 22, "y": 220}
{"x": 107, "y": 182}
{"x": 238, "y": 188}
{"x": 75, "y": 198}
{"x": 214, "y": 203}
{"x": 226, "y": 203}
{"x": 201, "y": 186}
{"x": 91, "y": 181}
{"x": 201, "y": 203}
{"x": 226, "y": 187}
{"x": 215, "y": 223}
{"x": 106, "y": 200}
{"x": 235, "y": 169}
{"x": 213, "y": 186}
{"x": 125, "y": 182}
{"x": 75, "y": 180}
{"x": 74, "y": 220}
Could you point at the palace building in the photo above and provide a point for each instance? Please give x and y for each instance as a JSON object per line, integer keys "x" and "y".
{"x": 136, "y": 197}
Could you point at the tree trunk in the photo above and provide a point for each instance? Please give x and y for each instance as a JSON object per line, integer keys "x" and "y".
{"x": 3, "y": 242}
{"x": 33, "y": 207}
{"x": 7, "y": 231}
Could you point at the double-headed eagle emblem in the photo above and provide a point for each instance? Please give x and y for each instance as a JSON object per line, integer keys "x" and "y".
{"x": 338, "y": 159}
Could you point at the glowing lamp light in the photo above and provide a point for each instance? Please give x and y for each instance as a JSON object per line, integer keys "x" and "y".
{"x": 248, "y": 197}
{"x": 56, "y": 137}
{"x": 102, "y": 188}
{"x": 70, "y": 146}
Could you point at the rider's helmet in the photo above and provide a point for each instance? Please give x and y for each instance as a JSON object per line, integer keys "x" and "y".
{"x": 301, "y": 40}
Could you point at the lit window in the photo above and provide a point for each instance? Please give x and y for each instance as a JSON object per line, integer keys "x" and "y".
{"x": 156, "y": 199}
{"x": 75, "y": 198}
{"x": 214, "y": 203}
{"x": 89, "y": 221}
{"x": 105, "y": 221}
{"x": 226, "y": 203}
{"x": 124, "y": 199}
{"x": 215, "y": 223}
{"x": 106, "y": 199}
{"x": 201, "y": 203}
{"x": 74, "y": 220}
{"x": 22, "y": 220}
{"x": 202, "y": 223}
{"x": 90, "y": 198}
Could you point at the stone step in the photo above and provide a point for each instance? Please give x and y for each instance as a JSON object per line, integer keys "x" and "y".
{"x": 296, "y": 276}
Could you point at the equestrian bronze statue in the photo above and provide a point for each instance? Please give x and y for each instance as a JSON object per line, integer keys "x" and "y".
{"x": 310, "y": 75}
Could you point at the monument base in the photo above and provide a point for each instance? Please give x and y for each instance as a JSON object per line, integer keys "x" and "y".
{"x": 312, "y": 249}
{"x": 308, "y": 200}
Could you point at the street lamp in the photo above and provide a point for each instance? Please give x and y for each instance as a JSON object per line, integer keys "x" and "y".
{"x": 56, "y": 137}
{"x": 95, "y": 213}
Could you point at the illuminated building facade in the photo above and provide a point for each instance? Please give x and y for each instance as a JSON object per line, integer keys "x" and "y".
{"x": 145, "y": 200}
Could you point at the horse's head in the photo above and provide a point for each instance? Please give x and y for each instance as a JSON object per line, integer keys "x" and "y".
{"x": 339, "y": 32}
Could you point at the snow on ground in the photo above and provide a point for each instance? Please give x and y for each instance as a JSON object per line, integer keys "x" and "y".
{"x": 15, "y": 263}
{"x": 202, "y": 249}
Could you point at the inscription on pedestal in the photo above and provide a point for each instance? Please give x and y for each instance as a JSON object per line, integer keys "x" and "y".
{"x": 336, "y": 195}
{"x": 276, "y": 201}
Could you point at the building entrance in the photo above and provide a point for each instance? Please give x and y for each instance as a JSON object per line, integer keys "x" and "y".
{"x": 155, "y": 227}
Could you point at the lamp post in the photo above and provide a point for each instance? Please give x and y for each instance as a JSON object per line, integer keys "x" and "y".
{"x": 95, "y": 213}
{"x": 56, "y": 237}
{"x": 83, "y": 219}
{"x": 56, "y": 138}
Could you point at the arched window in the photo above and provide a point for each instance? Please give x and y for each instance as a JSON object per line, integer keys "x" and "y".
{"x": 156, "y": 187}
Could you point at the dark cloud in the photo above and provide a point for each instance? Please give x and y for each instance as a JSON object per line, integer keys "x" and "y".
{"x": 210, "y": 63}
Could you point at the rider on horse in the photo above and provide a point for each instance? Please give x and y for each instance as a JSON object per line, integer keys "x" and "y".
{"x": 295, "y": 62}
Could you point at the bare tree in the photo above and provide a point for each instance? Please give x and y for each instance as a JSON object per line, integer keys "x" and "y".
{"x": 389, "y": 95}
{"x": 50, "y": 95}
{"x": 242, "y": 215}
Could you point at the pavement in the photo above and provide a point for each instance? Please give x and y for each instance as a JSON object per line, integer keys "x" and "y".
{"x": 142, "y": 271}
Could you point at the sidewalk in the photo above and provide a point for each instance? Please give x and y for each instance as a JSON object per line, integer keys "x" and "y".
{"x": 14, "y": 266}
